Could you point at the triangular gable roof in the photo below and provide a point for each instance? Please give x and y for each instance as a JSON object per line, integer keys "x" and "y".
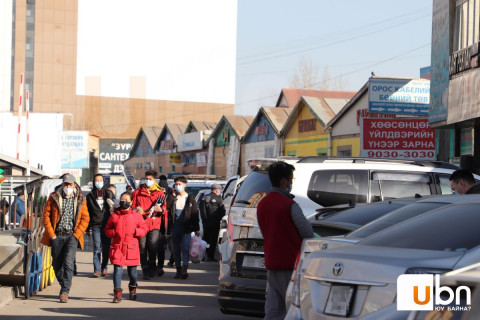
{"x": 347, "y": 107}
{"x": 239, "y": 125}
{"x": 195, "y": 126}
{"x": 293, "y": 95}
{"x": 275, "y": 116}
{"x": 151, "y": 133}
{"x": 174, "y": 129}
{"x": 320, "y": 109}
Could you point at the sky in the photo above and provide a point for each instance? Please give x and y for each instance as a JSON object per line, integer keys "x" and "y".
{"x": 348, "y": 38}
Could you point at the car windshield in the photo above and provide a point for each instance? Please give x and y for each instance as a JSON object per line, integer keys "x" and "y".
{"x": 394, "y": 217}
{"x": 362, "y": 214}
{"x": 253, "y": 189}
{"x": 450, "y": 228}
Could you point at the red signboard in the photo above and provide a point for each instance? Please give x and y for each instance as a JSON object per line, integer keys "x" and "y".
{"x": 401, "y": 138}
{"x": 307, "y": 125}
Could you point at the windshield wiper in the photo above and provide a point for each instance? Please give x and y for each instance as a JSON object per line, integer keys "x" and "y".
{"x": 243, "y": 202}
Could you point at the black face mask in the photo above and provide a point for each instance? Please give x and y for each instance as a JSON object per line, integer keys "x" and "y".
{"x": 124, "y": 205}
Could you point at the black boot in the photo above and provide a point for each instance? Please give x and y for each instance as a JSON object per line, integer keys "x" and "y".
{"x": 117, "y": 295}
{"x": 184, "y": 272}
{"x": 133, "y": 292}
{"x": 178, "y": 275}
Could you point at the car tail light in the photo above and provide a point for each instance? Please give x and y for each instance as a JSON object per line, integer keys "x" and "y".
{"x": 424, "y": 270}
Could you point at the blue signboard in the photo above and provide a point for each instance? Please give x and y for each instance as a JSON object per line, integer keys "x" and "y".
{"x": 399, "y": 96}
{"x": 74, "y": 150}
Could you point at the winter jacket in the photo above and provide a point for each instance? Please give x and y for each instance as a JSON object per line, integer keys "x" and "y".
{"x": 98, "y": 216}
{"x": 190, "y": 212}
{"x": 125, "y": 227}
{"x": 146, "y": 200}
{"x": 52, "y": 213}
{"x": 212, "y": 210}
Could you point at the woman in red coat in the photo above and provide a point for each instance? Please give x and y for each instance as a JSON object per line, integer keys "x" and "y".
{"x": 125, "y": 227}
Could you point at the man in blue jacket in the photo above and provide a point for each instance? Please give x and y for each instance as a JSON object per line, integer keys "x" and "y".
{"x": 18, "y": 207}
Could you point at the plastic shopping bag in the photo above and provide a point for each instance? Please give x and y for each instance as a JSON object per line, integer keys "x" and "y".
{"x": 198, "y": 247}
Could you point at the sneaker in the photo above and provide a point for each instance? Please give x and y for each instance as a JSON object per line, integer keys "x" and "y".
{"x": 145, "y": 274}
{"x": 160, "y": 272}
{"x": 104, "y": 272}
{"x": 171, "y": 264}
{"x": 96, "y": 274}
{"x": 63, "y": 298}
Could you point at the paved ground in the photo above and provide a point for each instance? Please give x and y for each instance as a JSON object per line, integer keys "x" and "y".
{"x": 161, "y": 297}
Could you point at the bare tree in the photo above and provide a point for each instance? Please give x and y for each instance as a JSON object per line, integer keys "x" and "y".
{"x": 306, "y": 75}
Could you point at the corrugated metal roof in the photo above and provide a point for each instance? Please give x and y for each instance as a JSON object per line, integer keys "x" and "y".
{"x": 347, "y": 106}
{"x": 203, "y": 125}
{"x": 276, "y": 116}
{"x": 320, "y": 109}
{"x": 293, "y": 95}
{"x": 175, "y": 129}
{"x": 240, "y": 124}
{"x": 336, "y": 104}
{"x": 152, "y": 133}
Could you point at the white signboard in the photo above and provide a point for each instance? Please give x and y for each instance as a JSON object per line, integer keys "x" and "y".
{"x": 190, "y": 141}
{"x": 74, "y": 150}
{"x": 399, "y": 96}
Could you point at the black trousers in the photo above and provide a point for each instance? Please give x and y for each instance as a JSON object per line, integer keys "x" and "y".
{"x": 148, "y": 250}
{"x": 210, "y": 235}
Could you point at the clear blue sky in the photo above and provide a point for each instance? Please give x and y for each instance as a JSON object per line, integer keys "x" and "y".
{"x": 351, "y": 38}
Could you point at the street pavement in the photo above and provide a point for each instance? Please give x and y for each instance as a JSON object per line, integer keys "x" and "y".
{"x": 161, "y": 297}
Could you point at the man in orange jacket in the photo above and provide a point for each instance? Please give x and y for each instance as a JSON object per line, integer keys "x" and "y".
{"x": 65, "y": 218}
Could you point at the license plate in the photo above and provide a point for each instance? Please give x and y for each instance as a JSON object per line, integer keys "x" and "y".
{"x": 257, "y": 262}
{"x": 339, "y": 300}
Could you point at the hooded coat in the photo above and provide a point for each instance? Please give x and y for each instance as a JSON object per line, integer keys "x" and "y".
{"x": 125, "y": 227}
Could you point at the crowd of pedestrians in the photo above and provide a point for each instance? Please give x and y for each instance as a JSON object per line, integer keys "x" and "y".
{"x": 136, "y": 232}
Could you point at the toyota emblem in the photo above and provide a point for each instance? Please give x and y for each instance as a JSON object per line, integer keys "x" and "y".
{"x": 244, "y": 213}
{"x": 338, "y": 269}
{"x": 325, "y": 246}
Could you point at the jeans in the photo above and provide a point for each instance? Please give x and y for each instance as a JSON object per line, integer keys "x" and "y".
{"x": 63, "y": 255}
{"x": 162, "y": 243}
{"x": 117, "y": 276}
{"x": 181, "y": 247}
{"x": 101, "y": 249}
{"x": 148, "y": 250}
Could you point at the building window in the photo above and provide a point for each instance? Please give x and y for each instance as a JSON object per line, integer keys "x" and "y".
{"x": 467, "y": 23}
{"x": 344, "y": 151}
{"x": 159, "y": 169}
{"x": 292, "y": 153}
{"x": 173, "y": 168}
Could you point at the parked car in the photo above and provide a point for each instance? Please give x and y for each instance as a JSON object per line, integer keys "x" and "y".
{"x": 365, "y": 274}
{"x": 318, "y": 182}
{"x": 385, "y": 221}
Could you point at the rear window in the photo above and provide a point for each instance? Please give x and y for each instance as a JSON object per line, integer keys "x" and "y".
{"x": 393, "y": 185}
{"x": 394, "y": 217}
{"x": 332, "y": 187}
{"x": 252, "y": 190}
{"x": 362, "y": 214}
{"x": 451, "y": 228}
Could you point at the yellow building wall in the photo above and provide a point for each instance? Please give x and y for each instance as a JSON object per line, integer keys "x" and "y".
{"x": 353, "y": 142}
{"x": 310, "y": 143}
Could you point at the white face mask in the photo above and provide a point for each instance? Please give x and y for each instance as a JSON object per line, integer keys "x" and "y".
{"x": 149, "y": 183}
{"x": 68, "y": 191}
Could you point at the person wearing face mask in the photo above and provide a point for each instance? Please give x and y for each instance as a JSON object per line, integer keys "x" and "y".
{"x": 184, "y": 217}
{"x": 99, "y": 211}
{"x": 283, "y": 227}
{"x": 66, "y": 219}
{"x": 144, "y": 200}
{"x": 463, "y": 182}
{"x": 125, "y": 227}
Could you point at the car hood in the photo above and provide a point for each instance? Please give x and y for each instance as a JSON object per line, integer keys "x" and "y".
{"x": 379, "y": 265}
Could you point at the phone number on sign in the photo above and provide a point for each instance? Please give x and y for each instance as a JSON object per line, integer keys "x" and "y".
{"x": 401, "y": 154}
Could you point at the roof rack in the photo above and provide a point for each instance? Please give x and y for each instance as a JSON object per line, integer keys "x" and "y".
{"x": 422, "y": 163}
